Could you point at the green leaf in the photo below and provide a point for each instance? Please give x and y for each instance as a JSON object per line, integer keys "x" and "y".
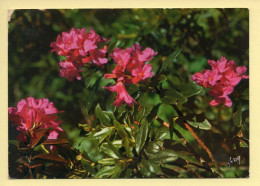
{"x": 153, "y": 99}
{"x": 185, "y": 133}
{"x": 169, "y": 60}
{"x": 14, "y": 142}
{"x": 90, "y": 146}
{"x": 174, "y": 97}
{"x": 166, "y": 112}
{"x": 149, "y": 99}
{"x": 204, "y": 125}
{"x": 156, "y": 63}
{"x": 143, "y": 98}
{"x": 86, "y": 165}
{"x": 153, "y": 147}
{"x": 120, "y": 129}
{"x": 164, "y": 156}
{"x": 155, "y": 123}
{"x": 103, "y": 118}
{"x": 237, "y": 118}
{"x": 109, "y": 149}
{"x": 109, "y": 101}
{"x": 113, "y": 44}
{"x": 161, "y": 133}
{"x": 108, "y": 171}
{"x": 95, "y": 78}
{"x": 105, "y": 82}
{"x": 88, "y": 78}
{"x": 197, "y": 65}
{"x": 190, "y": 89}
{"x": 141, "y": 135}
{"x": 101, "y": 135}
{"x": 149, "y": 169}
{"x": 90, "y": 97}
{"x": 187, "y": 156}
{"x": 107, "y": 161}
{"x": 126, "y": 144}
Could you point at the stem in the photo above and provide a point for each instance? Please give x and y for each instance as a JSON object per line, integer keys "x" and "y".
{"x": 190, "y": 148}
{"x": 197, "y": 138}
{"x": 201, "y": 143}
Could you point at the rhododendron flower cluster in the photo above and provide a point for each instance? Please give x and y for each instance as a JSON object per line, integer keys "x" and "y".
{"x": 32, "y": 114}
{"x": 222, "y": 79}
{"x": 79, "y": 48}
{"x": 131, "y": 68}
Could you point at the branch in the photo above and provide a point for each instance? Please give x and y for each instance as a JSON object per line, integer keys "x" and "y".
{"x": 197, "y": 138}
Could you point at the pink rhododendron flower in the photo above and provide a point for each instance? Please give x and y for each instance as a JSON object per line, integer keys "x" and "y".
{"x": 122, "y": 95}
{"x": 98, "y": 57}
{"x": 142, "y": 73}
{"x": 131, "y": 68}
{"x": 69, "y": 70}
{"x": 32, "y": 114}
{"x": 206, "y": 78}
{"x": 79, "y": 47}
{"x": 222, "y": 79}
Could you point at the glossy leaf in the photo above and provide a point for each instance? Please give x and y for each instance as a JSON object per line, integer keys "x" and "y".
{"x": 142, "y": 134}
{"x": 161, "y": 133}
{"x": 55, "y": 141}
{"x": 51, "y": 157}
{"x": 108, "y": 171}
{"x": 103, "y": 118}
{"x": 153, "y": 147}
{"x": 101, "y": 135}
{"x": 39, "y": 135}
{"x": 109, "y": 149}
{"x": 107, "y": 161}
{"x": 148, "y": 168}
{"x": 164, "y": 156}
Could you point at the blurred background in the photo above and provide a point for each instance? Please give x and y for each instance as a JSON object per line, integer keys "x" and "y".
{"x": 201, "y": 34}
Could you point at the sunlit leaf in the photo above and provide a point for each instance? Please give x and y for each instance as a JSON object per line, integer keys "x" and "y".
{"x": 101, "y": 135}
{"x": 109, "y": 149}
{"x": 107, "y": 161}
